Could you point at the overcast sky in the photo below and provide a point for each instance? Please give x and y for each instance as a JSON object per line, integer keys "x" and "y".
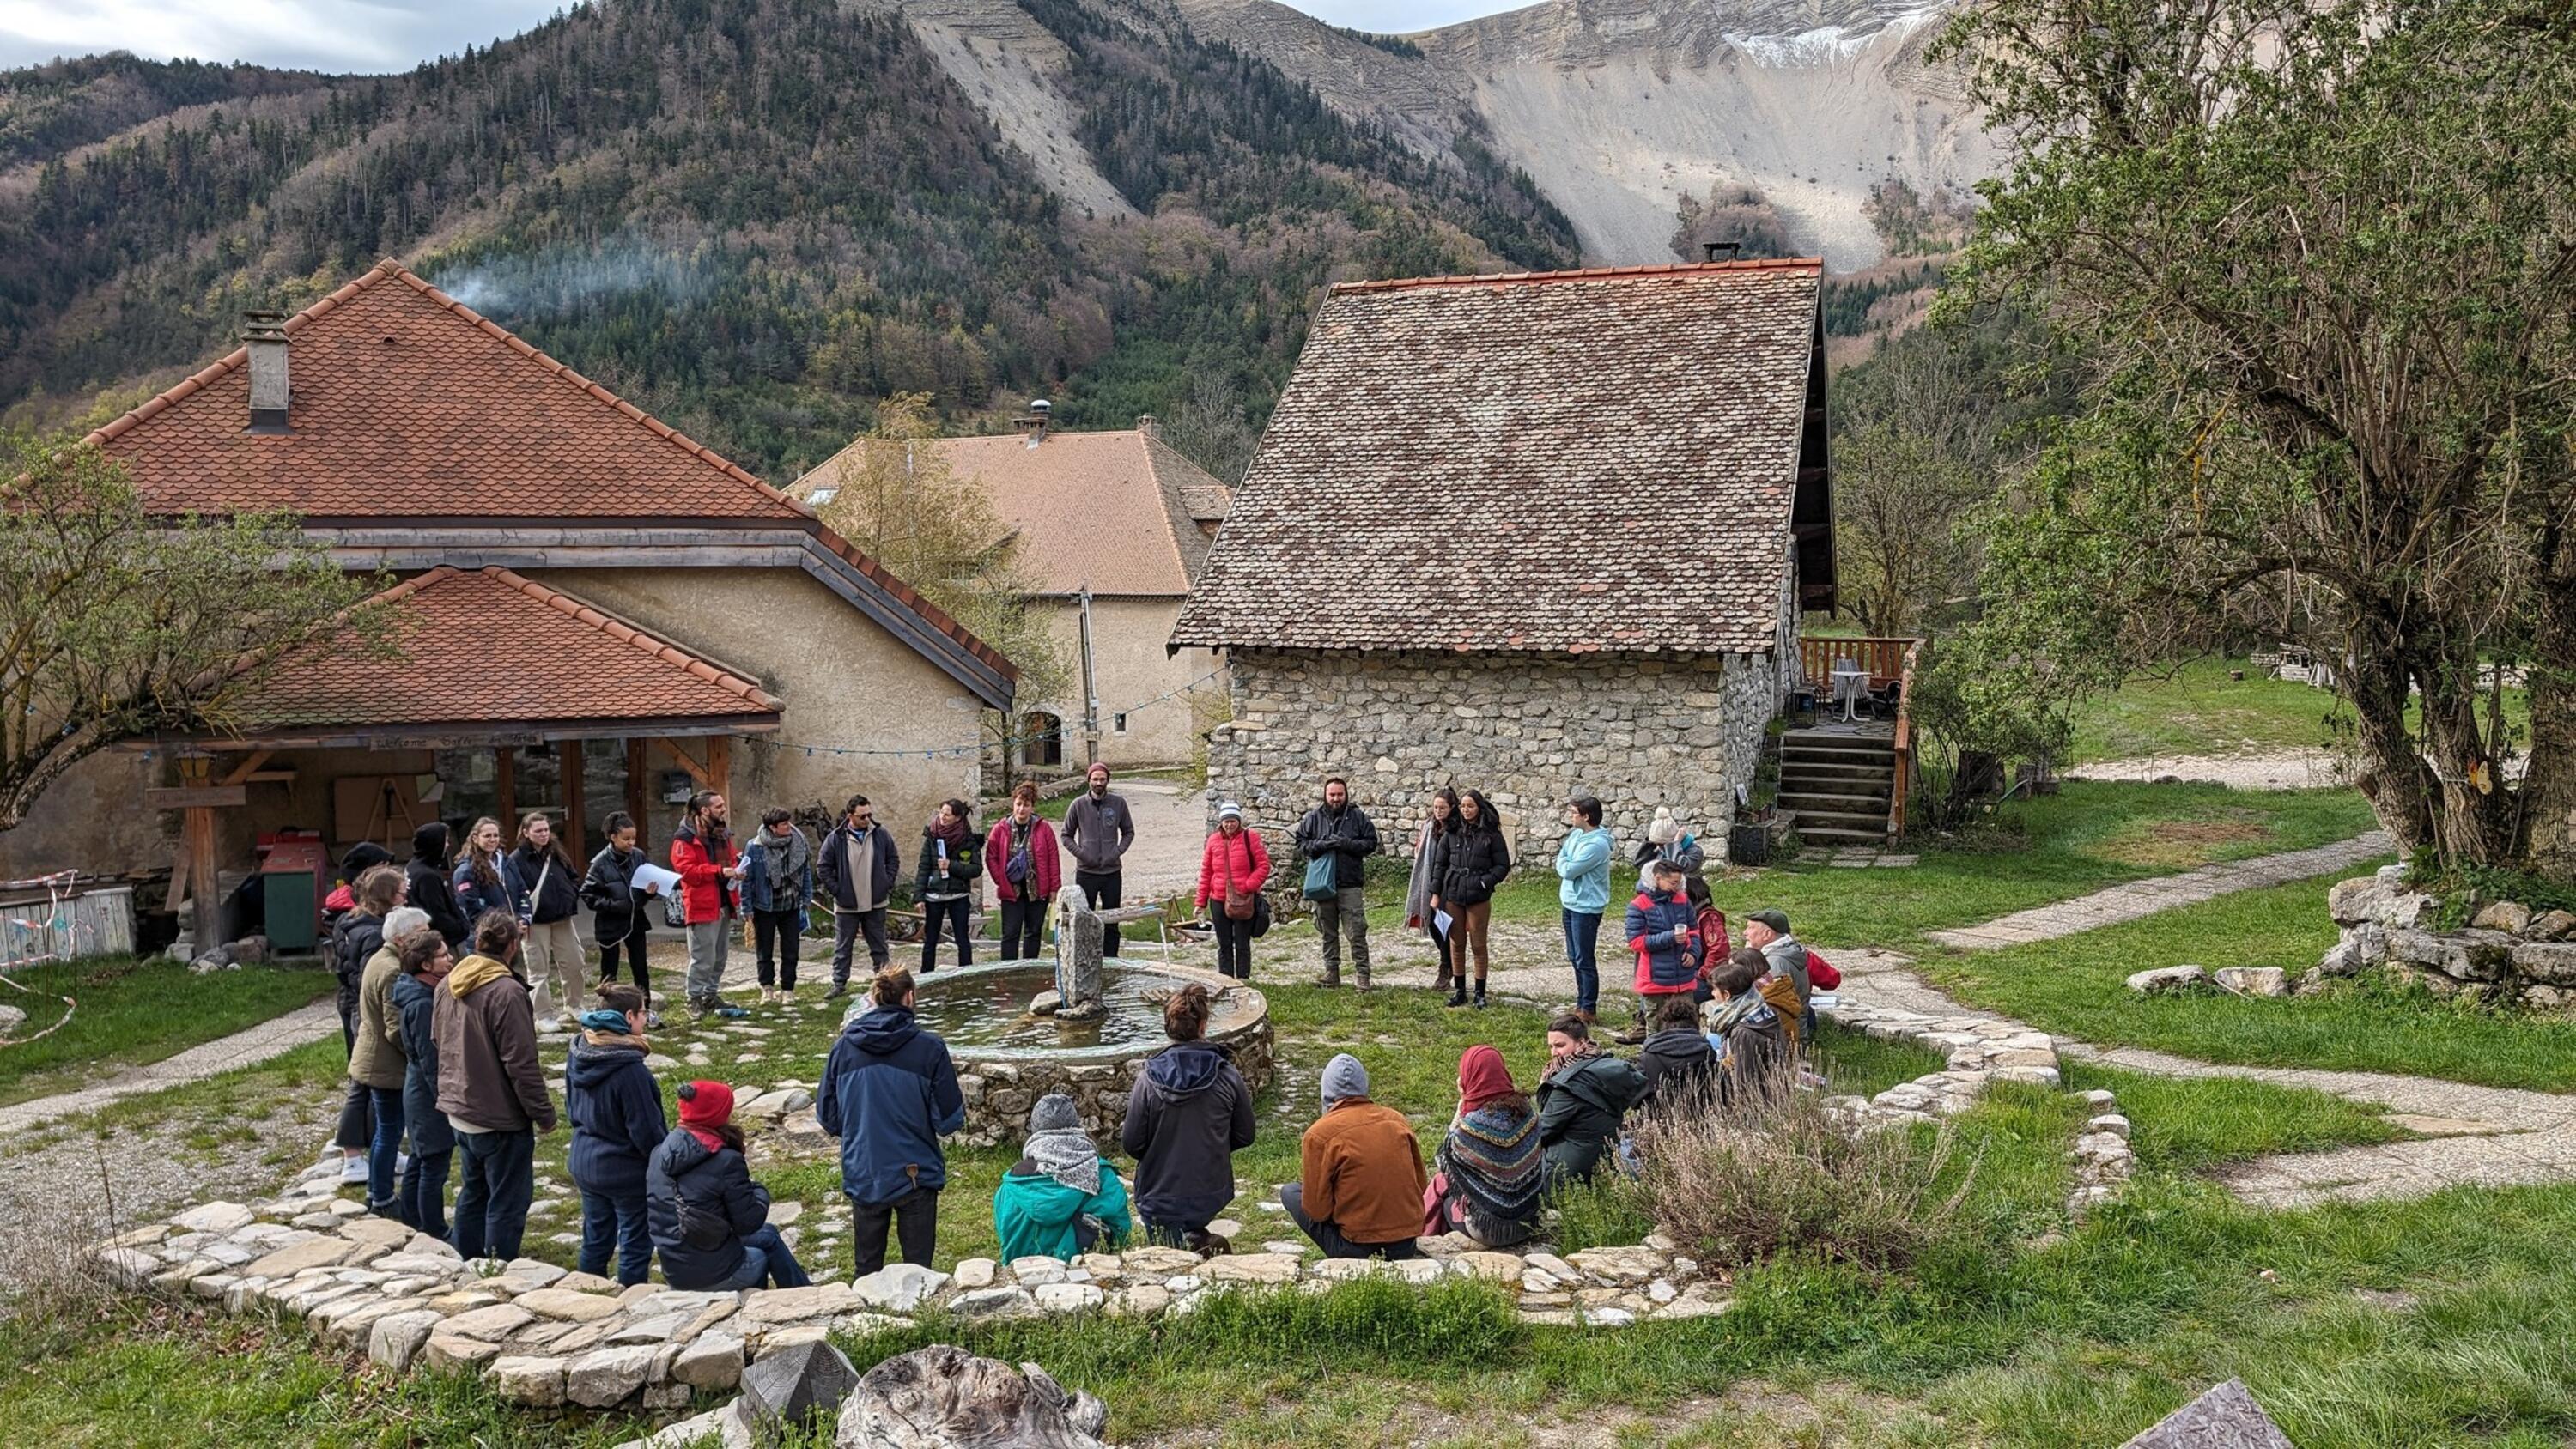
{"x": 382, "y": 35}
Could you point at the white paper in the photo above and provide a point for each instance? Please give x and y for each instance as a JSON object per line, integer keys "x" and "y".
{"x": 1440, "y": 921}
{"x": 653, "y": 880}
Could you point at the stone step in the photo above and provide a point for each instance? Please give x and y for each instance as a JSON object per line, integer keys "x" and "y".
{"x": 1834, "y": 747}
{"x": 1832, "y": 778}
{"x": 1838, "y": 835}
{"x": 1804, "y": 801}
{"x": 1871, "y": 819}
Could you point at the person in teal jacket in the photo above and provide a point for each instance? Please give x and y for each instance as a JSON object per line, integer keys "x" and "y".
{"x": 1582, "y": 894}
{"x": 1060, "y": 1198}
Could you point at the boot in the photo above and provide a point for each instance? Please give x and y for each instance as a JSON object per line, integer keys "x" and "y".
{"x": 1459, "y": 996}
{"x": 1480, "y": 993}
{"x": 1332, "y": 976}
{"x": 1442, "y": 984}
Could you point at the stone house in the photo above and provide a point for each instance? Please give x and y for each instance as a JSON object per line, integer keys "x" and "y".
{"x": 1540, "y": 534}
{"x": 599, "y": 612}
{"x": 1126, "y": 518}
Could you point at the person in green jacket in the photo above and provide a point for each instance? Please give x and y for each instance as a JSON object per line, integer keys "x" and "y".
{"x": 1060, "y": 1198}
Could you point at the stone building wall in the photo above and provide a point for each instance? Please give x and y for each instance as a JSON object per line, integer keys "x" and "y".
{"x": 1530, "y": 730}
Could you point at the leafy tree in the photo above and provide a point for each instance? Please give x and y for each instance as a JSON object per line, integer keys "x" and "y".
{"x": 2324, "y": 252}
{"x": 115, "y": 625}
{"x": 1733, "y": 213}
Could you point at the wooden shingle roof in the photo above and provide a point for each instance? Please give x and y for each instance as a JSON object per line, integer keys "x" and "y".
{"x": 1571, "y": 461}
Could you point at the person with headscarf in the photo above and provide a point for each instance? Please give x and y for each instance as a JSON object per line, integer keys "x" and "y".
{"x": 1492, "y": 1166}
{"x": 710, "y": 1221}
{"x": 1061, "y": 1197}
{"x": 615, "y": 1108}
{"x": 1359, "y": 1189}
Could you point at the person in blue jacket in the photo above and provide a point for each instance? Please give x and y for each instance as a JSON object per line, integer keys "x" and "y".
{"x": 889, "y": 1092}
{"x": 1582, "y": 895}
{"x": 616, "y": 1111}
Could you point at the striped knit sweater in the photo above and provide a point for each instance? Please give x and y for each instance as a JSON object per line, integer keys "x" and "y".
{"x": 1494, "y": 1158}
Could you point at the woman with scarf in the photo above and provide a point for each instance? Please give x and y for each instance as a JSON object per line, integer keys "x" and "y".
{"x": 1492, "y": 1167}
{"x": 1233, "y": 867}
{"x": 1755, "y": 1026}
{"x": 1422, "y": 892}
{"x": 616, "y": 1112}
{"x": 777, "y": 885}
{"x": 1061, "y": 1197}
{"x": 949, "y": 855}
{"x": 710, "y": 1220}
{"x": 1582, "y": 1100}
{"x": 1027, "y": 872}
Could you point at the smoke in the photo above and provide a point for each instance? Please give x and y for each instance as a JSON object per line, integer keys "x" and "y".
{"x": 556, "y": 280}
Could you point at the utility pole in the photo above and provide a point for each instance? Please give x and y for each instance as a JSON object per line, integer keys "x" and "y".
{"x": 1090, "y": 688}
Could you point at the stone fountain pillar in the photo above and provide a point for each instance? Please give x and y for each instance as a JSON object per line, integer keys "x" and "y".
{"x": 1078, "y": 941}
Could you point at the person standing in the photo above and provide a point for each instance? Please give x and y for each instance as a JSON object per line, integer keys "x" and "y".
{"x": 1582, "y": 1099}
{"x": 620, "y": 917}
{"x": 416, "y": 991}
{"x": 1473, "y": 862}
{"x": 1341, "y": 833}
{"x": 1493, "y": 1169}
{"x": 549, "y": 892}
{"x": 1667, "y": 840}
{"x": 377, "y": 1062}
{"x": 616, "y": 1111}
{"x": 1062, "y": 1197}
{"x": 1360, "y": 1183}
{"x": 1662, "y": 927}
{"x": 1187, "y": 1116}
{"x": 950, "y": 862}
{"x": 1233, "y": 867}
{"x": 1582, "y": 894}
{"x": 1021, "y": 854}
{"x": 857, "y": 870}
{"x": 889, "y": 1092}
{"x": 710, "y": 1221}
{"x": 1098, "y": 830}
{"x": 492, "y": 1090}
{"x": 702, "y": 853}
{"x": 355, "y": 939}
{"x": 777, "y": 882}
{"x": 425, "y": 884}
{"x": 1422, "y": 890}
{"x": 482, "y": 874}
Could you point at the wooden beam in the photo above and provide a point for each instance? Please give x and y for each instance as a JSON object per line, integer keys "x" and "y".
{"x": 568, "y": 767}
{"x": 196, "y": 797}
{"x": 720, "y": 764}
{"x": 241, "y": 773}
{"x": 697, "y": 768}
{"x": 635, "y": 776}
{"x": 505, "y": 784}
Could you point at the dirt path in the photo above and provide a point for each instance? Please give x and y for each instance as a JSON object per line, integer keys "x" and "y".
{"x": 2163, "y": 893}
{"x": 2264, "y": 770}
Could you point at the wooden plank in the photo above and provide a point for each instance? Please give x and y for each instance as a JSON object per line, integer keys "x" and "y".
{"x": 242, "y": 772}
{"x": 720, "y": 764}
{"x": 635, "y": 772}
{"x": 568, "y": 755}
{"x": 697, "y": 768}
{"x": 505, "y": 784}
{"x": 196, "y": 797}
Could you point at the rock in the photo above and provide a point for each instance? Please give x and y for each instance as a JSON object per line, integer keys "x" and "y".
{"x": 1036, "y": 1272}
{"x": 1251, "y": 1268}
{"x": 1609, "y": 1317}
{"x": 216, "y": 1217}
{"x": 589, "y": 1283}
{"x": 129, "y": 1268}
{"x": 768, "y": 1105}
{"x": 2380, "y": 901}
{"x": 2551, "y": 926}
{"x": 993, "y": 1303}
{"x": 568, "y": 1305}
{"x": 1070, "y": 1297}
{"x": 395, "y": 1339}
{"x": 288, "y": 1261}
{"x": 788, "y": 1393}
{"x": 783, "y": 1213}
{"x": 536, "y": 1381}
{"x": 2109, "y": 1123}
{"x": 1554, "y": 1266}
{"x": 712, "y": 1364}
{"x": 2552, "y": 963}
{"x": 603, "y": 1377}
{"x": 1142, "y": 1301}
{"x": 2358, "y": 949}
{"x": 943, "y": 1397}
{"x": 2253, "y": 980}
{"x": 1618, "y": 1265}
{"x": 791, "y": 1305}
{"x": 520, "y": 1275}
{"x": 11, "y": 1018}
{"x": 978, "y": 1272}
{"x": 448, "y": 1352}
{"x": 1493, "y": 1267}
{"x": 492, "y": 1324}
{"x": 2224, "y": 1418}
{"x": 2511, "y": 916}
{"x": 1148, "y": 1262}
{"x": 899, "y": 1287}
{"x": 2165, "y": 979}
{"x": 249, "y": 950}
{"x": 1046, "y": 1003}
{"x": 373, "y": 1231}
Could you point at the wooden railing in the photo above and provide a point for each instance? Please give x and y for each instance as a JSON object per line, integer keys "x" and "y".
{"x": 1885, "y": 659}
{"x": 1904, "y": 740}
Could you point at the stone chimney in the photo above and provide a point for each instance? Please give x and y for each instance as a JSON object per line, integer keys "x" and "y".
{"x": 1150, "y": 426}
{"x": 264, "y": 333}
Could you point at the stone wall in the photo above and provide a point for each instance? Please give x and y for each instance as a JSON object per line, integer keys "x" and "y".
{"x": 1530, "y": 730}
{"x": 2508, "y": 953}
{"x": 999, "y": 1093}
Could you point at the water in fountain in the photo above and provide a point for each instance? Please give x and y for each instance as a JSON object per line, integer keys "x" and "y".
{"x": 991, "y": 1009}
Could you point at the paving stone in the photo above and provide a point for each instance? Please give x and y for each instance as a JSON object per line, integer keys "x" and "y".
{"x": 494, "y": 1323}
{"x": 900, "y": 1286}
{"x": 713, "y": 1364}
{"x": 312, "y": 1253}
{"x": 394, "y": 1340}
{"x": 213, "y": 1217}
{"x": 603, "y": 1377}
{"x": 448, "y": 1352}
{"x": 566, "y": 1303}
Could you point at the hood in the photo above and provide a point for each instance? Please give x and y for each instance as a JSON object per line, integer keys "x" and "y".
{"x": 594, "y": 1059}
{"x": 882, "y": 1030}
{"x": 474, "y": 973}
{"x": 1679, "y": 1046}
{"x": 1185, "y": 1069}
{"x": 681, "y": 1153}
{"x": 429, "y": 843}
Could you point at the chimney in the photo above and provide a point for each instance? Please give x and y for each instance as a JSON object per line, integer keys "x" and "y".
{"x": 1034, "y": 422}
{"x": 1150, "y": 426}
{"x": 1732, "y": 249}
{"x": 264, "y": 333}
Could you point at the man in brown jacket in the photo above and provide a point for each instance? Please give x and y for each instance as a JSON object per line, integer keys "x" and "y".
{"x": 1360, "y": 1194}
{"x": 491, "y": 1090}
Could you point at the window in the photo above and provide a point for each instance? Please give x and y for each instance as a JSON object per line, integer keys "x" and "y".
{"x": 1118, "y": 724}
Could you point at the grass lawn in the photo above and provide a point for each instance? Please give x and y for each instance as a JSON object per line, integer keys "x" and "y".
{"x": 132, "y": 1012}
{"x": 2198, "y": 710}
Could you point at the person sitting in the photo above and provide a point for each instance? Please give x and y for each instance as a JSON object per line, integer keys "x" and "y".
{"x": 1663, "y": 930}
{"x": 1186, "y": 1118}
{"x": 1678, "y": 1065}
{"x": 1359, "y": 1193}
{"x": 1754, "y": 1031}
{"x": 1492, "y": 1165}
{"x": 710, "y": 1220}
{"x": 616, "y": 1112}
{"x": 1785, "y": 956}
{"x": 1061, "y": 1197}
{"x": 1581, "y": 1100}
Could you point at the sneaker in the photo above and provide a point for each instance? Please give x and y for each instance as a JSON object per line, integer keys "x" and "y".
{"x": 353, "y": 1169}
{"x": 652, "y": 1021}
{"x": 839, "y": 990}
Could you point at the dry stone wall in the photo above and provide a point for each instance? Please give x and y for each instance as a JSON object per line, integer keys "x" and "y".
{"x": 1530, "y": 730}
{"x": 2508, "y": 953}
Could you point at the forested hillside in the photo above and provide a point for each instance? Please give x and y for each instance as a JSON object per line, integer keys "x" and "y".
{"x": 755, "y": 217}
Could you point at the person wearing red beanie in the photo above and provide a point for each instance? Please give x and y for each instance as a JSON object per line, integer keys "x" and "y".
{"x": 710, "y": 1220}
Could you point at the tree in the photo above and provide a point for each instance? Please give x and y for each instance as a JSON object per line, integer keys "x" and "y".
{"x": 897, "y": 498}
{"x": 2324, "y": 255}
{"x": 1733, "y": 213}
{"x": 115, "y": 625}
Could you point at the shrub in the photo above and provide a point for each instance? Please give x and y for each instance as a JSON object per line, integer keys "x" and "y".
{"x": 1775, "y": 1172}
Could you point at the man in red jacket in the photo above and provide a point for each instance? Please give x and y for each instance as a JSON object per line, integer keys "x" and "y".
{"x": 702, "y": 853}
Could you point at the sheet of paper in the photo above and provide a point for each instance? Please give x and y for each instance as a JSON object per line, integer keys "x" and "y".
{"x": 1440, "y": 922}
{"x": 654, "y": 880}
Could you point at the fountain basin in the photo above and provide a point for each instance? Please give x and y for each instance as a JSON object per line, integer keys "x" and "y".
{"x": 1007, "y": 1059}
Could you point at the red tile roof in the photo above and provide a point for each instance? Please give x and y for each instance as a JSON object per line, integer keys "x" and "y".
{"x": 489, "y": 647}
{"x": 1555, "y": 461}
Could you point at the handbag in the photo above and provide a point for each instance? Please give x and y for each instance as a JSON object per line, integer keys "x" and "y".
{"x": 1238, "y": 904}
{"x": 1260, "y": 925}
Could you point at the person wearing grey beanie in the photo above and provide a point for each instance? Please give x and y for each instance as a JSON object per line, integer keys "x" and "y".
{"x": 1061, "y": 1198}
{"x": 1359, "y": 1190}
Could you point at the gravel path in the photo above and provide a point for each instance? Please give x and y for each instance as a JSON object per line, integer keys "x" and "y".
{"x": 2163, "y": 893}
{"x": 244, "y": 1048}
{"x": 2266, "y": 770}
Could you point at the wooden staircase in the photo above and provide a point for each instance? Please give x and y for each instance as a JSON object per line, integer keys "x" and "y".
{"x": 1836, "y": 782}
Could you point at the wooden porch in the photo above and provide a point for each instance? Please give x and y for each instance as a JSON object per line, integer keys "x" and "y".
{"x": 1846, "y": 781}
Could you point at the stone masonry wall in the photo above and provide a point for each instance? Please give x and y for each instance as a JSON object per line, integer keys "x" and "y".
{"x": 1530, "y": 730}
{"x": 2508, "y": 953}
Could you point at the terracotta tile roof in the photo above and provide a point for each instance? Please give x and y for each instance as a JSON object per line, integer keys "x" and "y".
{"x": 487, "y": 647}
{"x": 1112, "y": 508}
{"x": 1573, "y": 461}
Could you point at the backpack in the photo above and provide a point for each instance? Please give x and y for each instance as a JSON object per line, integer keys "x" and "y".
{"x": 1821, "y": 973}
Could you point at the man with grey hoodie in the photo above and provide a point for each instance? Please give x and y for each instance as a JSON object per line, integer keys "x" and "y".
{"x": 1097, "y": 831}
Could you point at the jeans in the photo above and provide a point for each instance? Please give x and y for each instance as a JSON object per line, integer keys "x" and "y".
{"x": 915, "y": 1217}
{"x": 354, "y": 1129}
{"x": 633, "y": 947}
{"x": 424, "y": 1190}
{"x": 953, "y": 912}
{"x": 1346, "y": 912}
{"x": 766, "y": 1258}
{"x": 1582, "y": 943}
{"x": 617, "y": 1219}
{"x": 1023, "y": 929}
{"x": 847, "y": 928}
{"x": 1330, "y": 1239}
{"x": 1233, "y": 945}
{"x": 783, "y": 929}
{"x": 383, "y": 1185}
{"x": 553, "y": 956}
{"x": 492, "y": 1192}
{"x": 1100, "y": 892}
{"x": 707, "y": 962}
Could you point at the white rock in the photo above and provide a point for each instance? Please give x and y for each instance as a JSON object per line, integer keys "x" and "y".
{"x": 532, "y": 1380}
{"x": 2110, "y": 1122}
{"x": 993, "y": 1303}
{"x": 396, "y": 1339}
{"x": 216, "y": 1217}
{"x": 713, "y": 1363}
{"x": 899, "y": 1287}
{"x": 2253, "y": 980}
{"x": 2162, "y": 979}
{"x": 1069, "y": 1297}
{"x": 976, "y": 1273}
{"x": 1606, "y": 1317}
{"x": 604, "y": 1377}
{"x": 1037, "y": 1272}
{"x": 783, "y": 1213}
